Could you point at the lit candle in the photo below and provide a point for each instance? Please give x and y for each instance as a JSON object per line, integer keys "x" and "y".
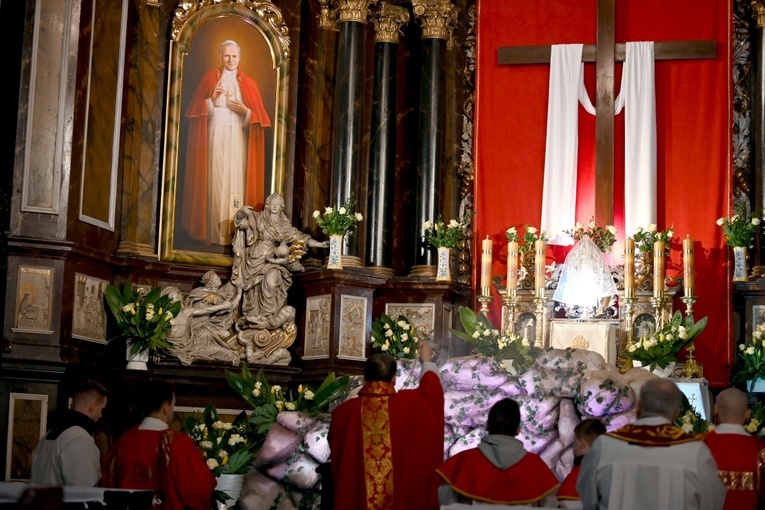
{"x": 540, "y": 249}
{"x": 658, "y": 268}
{"x": 512, "y": 267}
{"x": 486, "y": 245}
{"x": 688, "y": 269}
{"x": 629, "y": 268}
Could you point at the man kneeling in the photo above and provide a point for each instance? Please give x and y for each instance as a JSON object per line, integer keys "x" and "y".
{"x": 499, "y": 470}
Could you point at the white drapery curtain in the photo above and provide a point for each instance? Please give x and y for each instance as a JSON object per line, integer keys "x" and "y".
{"x": 566, "y": 91}
{"x": 638, "y": 98}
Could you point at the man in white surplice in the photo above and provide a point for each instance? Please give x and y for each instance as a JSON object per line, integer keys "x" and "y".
{"x": 651, "y": 463}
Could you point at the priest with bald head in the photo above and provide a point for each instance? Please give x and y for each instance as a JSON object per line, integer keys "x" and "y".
{"x": 739, "y": 454}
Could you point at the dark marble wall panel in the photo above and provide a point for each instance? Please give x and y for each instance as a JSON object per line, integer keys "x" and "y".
{"x": 316, "y": 78}
{"x": 103, "y": 107}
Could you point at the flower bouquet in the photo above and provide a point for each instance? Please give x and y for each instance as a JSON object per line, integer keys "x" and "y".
{"x": 486, "y": 340}
{"x": 603, "y": 237}
{"x": 397, "y": 338}
{"x": 339, "y": 221}
{"x": 756, "y": 420}
{"x": 144, "y": 318}
{"x": 739, "y": 229}
{"x": 662, "y": 348}
{"x": 646, "y": 237}
{"x": 531, "y": 236}
{"x": 226, "y": 446}
{"x": 690, "y": 421}
{"x": 443, "y": 235}
{"x": 750, "y": 362}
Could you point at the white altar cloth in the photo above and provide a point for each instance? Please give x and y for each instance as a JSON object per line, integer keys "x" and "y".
{"x": 599, "y": 337}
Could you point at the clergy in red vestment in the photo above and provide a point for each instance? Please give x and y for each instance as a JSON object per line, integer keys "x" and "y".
{"x": 585, "y": 433}
{"x": 225, "y": 161}
{"x": 386, "y": 445}
{"x": 499, "y": 470}
{"x": 149, "y": 456}
{"x": 739, "y": 454}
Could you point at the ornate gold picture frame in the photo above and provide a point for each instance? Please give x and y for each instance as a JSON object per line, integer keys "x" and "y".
{"x": 208, "y": 130}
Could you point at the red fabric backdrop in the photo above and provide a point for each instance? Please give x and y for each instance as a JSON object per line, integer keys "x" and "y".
{"x": 694, "y": 138}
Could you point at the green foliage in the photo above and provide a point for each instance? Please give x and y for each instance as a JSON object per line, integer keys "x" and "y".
{"x": 397, "y": 338}
{"x": 443, "y": 235}
{"x": 226, "y": 447}
{"x": 603, "y": 237}
{"x": 690, "y": 421}
{"x": 750, "y": 362}
{"x": 486, "y": 340}
{"x": 268, "y": 401}
{"x": 663, "y": 346}
{"x": 339, "y": 221}
{"x": 531, "y": 236}
{"x": 739, "y": 229}
{"x": 646, "y": 237}
{"x": 757, "y": 420}
{"x": 144, "y": 318}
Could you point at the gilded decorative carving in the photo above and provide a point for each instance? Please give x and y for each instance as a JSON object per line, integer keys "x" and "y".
{"x": 437, "y": 17}
{"x": 353, "y": 315}
{"x": 742, "y": 103}
{"x": 388, "y": 22}
{"x": 758, "y": 6}
{"x": 355, "y": 10}
{"x": 328, "y": 15}
{"x": 89, "y": 314}
{"x": 33, "y": 300}
{"x": 465, "y": 168}
{"x": 264, "y": 9}
{"x": 421, "y": 316}
{"x": 317, "y": 327}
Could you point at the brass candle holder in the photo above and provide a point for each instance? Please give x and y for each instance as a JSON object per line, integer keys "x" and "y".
{"x": 629, "y": 301}
{"x": 510, "y": 302}
{"x": 658, "y": 301}
{"x": 692, "y": 369}
{"x": 485, "y": 300}
{"x": 539, "y": 300}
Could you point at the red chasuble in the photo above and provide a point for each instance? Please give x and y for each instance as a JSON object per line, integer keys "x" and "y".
{"x": 195, "y": 179}
{"x": 567, "y": 490}
{"x": 471, "y": 474}
{"x": 740, "y": 463}
{"x": 166, "y": 462}
{"x": 386, "y": 446}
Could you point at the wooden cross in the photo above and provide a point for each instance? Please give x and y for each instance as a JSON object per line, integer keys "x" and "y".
{"x": 604, "y": 53}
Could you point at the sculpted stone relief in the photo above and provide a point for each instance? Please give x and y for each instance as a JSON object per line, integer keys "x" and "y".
{"x": 248, "y": 317}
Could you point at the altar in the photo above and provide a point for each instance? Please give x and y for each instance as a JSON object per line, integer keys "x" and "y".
{"x": 600, "y": 336}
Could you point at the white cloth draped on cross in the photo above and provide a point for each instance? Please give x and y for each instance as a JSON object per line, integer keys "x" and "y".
{"x": 638, "y": 98}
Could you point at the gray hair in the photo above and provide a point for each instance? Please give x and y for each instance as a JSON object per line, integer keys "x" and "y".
{"x": 228, "y": 42}
{"x": 660, "y": 397}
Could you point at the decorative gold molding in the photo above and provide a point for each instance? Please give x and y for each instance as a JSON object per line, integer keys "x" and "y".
{"x": 355, "y": 10}
{"x": 263, "y": 8}
{"x": 758, "y": 6}
{"x": 153, "y": 3}
{"x": 388, "y": 22}
{"x": 437, "y": 17}
{"x": 328, "y": 15}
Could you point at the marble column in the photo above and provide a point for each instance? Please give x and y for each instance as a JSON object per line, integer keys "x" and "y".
{"x": 387, "y": 22}
{"x": 438, "y": 18}
{"x": 142, "y": 174}
{"x": 347, "y": 117}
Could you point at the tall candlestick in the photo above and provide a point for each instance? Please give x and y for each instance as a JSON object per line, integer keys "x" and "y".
{"x": 512, "y": 266}
{"x": 540, "y": 250}
{"x": 658, "y": 268}
{"x": 486, "y": 245}
{"x": 629, "y": 268}
{"x": 689, "y": 276}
